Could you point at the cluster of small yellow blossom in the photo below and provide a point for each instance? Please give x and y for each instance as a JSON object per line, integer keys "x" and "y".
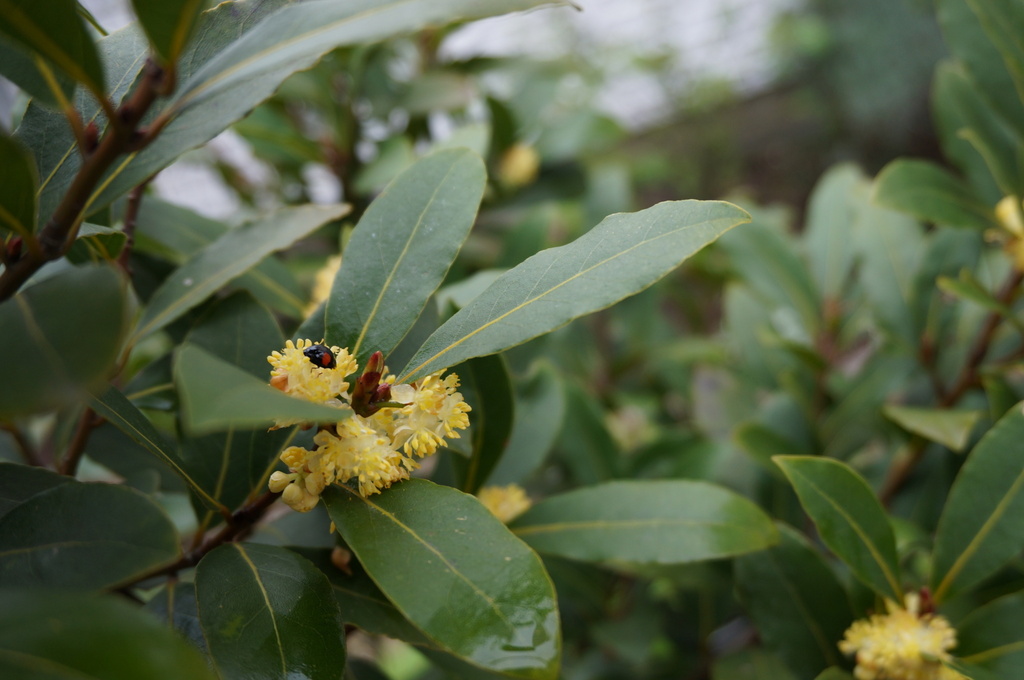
{"x": 903, "y": 644}
{"x": 505, "y": 502}
{"x": 384, "y": 428}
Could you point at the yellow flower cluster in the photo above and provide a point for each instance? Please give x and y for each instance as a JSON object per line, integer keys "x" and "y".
{"x": 901, "y": 645}
{"x": 505, "y": 502}
{"x": 384, "y": 429}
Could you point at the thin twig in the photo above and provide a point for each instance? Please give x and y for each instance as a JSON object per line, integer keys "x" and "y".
{"x": 131, "y": 216}
{"x": 58, "y": 233}
{"x": 86, "y": 424}
{"x": 968, "y": 378}
{"x": 25, "y": 448}
{"x": 239, "y": 525}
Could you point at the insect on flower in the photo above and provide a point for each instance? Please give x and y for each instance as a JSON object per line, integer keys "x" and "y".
{"x": 320, "y": 356}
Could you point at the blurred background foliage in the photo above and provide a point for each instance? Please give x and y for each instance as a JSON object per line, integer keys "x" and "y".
{"x": 789, "y": 336}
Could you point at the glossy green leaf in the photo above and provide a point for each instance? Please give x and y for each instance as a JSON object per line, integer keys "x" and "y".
{"x": 54, "y": 31}
{"x": 828, "y": 230}
{"x": 174, "y": 233}
{"x": 85, "y": 536}
{"x": 18, "y": 483}
{"x": 797, "y": 602}
{"x": 33, "y": 76}
{"x": 992, "y": 637}
{"x": 228, "y": 257}
{"x": 849, "y": 518}
{"x": 96, "y": 244}
{"x": 623, "y": 255}
{"x": 1003, "y": 21}
{"x": 401, "y": 250}
{"x": 18, "y": 183}
{"x": 122, "y": 414}
{"x": 949, "y": 428}
{"x": 362, "y": 602}
{"x": 176, "y": 604}
{"x": 72, "y": 327}
{"x": 642, "y": 522}
{"x": 931, "y": 193}
{"x": 268, "y": 613}
{"x": 488, "y": 390}
{"x": 62, "y": 635}
{"x": 539, "y": 412}
{"x": 217, "y": 396}
{"x": 982, "y": 524}
{"x": 243, "y": 73}
{"x": 416, "y": 533}
{"x": 233, "y": 466}
{"x": 168, "y": 24}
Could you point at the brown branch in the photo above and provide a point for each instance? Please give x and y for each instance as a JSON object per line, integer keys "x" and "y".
{"x": 86, "y": 424}
{"x": 122, "y": 136}
{"x": 968, "y": 378}
{"x": 239, "y": 525}
{"x": 25, "y": 448}
{"x": 131, "y": 217}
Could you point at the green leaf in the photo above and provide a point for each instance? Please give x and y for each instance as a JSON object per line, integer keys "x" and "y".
{"x": 168, "y": 24}
{"x": 796, "y": 601}
{"x": 62, "y": 336}
{"x": 362, "y": 603}
{"x": 643, "y": 522}
{"x": 18, "y": 483}
{"x": 18, "y": 183}
{"x": 72, "y": 636}
{"x": 765, "y": 258}
{"x": 488, "y": 390}
{"x": 96, "y": 244}
{"x": 233, "y": 466}
{"x": 828, "y": 234}
{"x": 982, "y": 524}
{"x": 949, "y": 428}
{"x": 228, "y": 257}
{"x": 623, "y": 255}
{"x": 85, "y": 536}
{"x": 489, "y": 600}
{"x": 969, "y": 288}
{"x": 122, "y": 414}
{"x": 1003, "y": 21}
{"x": 268, "y": 613}
{"x": 176, "y": 604}
{"x": 992, "y": 637}
{"x": 851, "y": 521}
{"x": 248, "y": 70}
{"x": 539, "y": 412}
{"x": 931, "y": 193}
{"x": 23, "y": 69}
{"x": 401, "y": 250}
{"x": 890, "y": 245}
{"x": 763, "y": 444}
{"x": 834, "y": 674}
{"x": 585, "y": 445}
{"x": 54, "y": 31}
{"x": 217, "y": 396}
{"x": 174, "y": 233}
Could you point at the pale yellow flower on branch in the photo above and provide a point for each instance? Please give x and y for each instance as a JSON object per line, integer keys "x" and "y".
{"x": 387, "y": 427}
{"x": 903, "y": 644}
{"x": 505, "y": 502}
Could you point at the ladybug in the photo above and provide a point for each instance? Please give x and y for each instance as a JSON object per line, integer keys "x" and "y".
{"x": 320, "y": 356}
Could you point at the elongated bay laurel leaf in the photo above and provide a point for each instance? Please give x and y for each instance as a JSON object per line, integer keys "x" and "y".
{"x": 250, "y": 69}
{"x": 621, "y": 256}
{"x": 646, "y": 522}
{"x": 850, "y": 519}
{"x": 982, "y": 525}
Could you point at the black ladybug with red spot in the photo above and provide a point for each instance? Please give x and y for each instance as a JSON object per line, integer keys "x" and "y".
{"x": 320, "y": 356}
